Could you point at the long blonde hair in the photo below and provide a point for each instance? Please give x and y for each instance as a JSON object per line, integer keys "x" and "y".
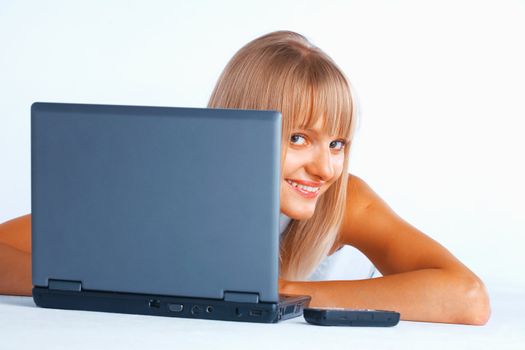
{"x": 283, "y": 71}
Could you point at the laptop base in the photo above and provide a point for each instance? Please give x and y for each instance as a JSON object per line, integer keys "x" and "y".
{"x": 157, "y": 305}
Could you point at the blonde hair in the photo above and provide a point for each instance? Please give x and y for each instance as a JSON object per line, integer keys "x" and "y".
{"x": 283, "y": 71}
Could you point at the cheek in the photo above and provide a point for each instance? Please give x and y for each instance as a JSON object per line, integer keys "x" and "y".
{"x": 338, "y": 167}
{"x": 291, "y": 163}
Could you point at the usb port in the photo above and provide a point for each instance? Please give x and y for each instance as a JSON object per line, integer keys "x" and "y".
{"x": 256, "y": 312}
{"x": 154, "y": 303}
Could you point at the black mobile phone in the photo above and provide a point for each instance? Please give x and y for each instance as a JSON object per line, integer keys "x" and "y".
{"x": 351, "y": 317}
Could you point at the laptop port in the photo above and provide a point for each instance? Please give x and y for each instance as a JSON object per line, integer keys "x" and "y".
{"x": 176, "y": 307}
{"x": 289, "y": 309}
{"x": 256, "y": 312}
{"x": 209, "y": 309}
{"x": 154, "y": 303}
{"x": 196, "y": 309}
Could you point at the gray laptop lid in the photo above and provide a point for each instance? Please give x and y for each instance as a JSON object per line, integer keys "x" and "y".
{"x": 156, "y": 200}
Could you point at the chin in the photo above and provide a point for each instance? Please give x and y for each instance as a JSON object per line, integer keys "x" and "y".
{"x": 296, "y": 207}
{"x": 298, "y": 214}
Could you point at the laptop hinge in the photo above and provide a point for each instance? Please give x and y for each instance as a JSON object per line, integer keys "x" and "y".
{"x": 75, "y": 286}
{"x": 241, "y": 297}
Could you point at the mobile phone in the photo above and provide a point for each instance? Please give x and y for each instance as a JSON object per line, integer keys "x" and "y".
{"x": 351, "y": 317}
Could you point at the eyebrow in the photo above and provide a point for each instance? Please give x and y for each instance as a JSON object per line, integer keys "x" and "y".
{"x": 312, "y": 130}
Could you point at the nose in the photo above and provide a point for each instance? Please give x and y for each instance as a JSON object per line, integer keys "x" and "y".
{"x": 321, "y": 164}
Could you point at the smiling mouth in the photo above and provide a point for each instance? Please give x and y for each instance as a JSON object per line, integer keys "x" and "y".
{"x": 304, "y": 191}
{"x": 303, "y": 187}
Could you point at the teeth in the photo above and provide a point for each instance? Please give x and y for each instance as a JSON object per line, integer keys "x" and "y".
{"x": 306, "y": 188}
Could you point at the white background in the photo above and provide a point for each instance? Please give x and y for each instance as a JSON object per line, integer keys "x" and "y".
{"x": 440, "y": 84}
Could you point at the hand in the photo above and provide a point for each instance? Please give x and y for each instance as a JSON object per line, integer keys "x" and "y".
{"x": 284, "y": 286}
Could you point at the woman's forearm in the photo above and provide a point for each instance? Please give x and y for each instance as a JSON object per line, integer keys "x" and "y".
{"x": 15, "y": 271}
{"x": 432, "y": 295}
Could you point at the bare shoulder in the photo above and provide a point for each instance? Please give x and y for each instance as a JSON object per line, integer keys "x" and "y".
{"x": 17, "y": 233}
{"x": 368, "y": 218}
{"x": 359, "y": 196}
{"x": 393, "y": 244}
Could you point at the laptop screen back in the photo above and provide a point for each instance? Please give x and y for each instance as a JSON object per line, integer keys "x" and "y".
{"x": 158, "y": 200}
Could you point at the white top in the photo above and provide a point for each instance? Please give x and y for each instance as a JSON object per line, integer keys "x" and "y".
{"x": 347, "y": 263}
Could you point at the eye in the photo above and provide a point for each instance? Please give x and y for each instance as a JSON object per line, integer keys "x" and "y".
{"x": 294, "y": 138}
{"x": 342, "y": 142}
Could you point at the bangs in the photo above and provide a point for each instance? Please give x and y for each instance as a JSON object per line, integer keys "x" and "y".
{"x": 319, "y": 90}
{"x": 291, "y": 76}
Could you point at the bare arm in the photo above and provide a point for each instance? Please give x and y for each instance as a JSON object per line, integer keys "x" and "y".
{"x": 422, "y": 280}
{"x": 15, "y": 256}
{"x": 15, "y": 271}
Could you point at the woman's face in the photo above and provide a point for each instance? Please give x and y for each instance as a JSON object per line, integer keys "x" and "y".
{"x": 314, "y": 159}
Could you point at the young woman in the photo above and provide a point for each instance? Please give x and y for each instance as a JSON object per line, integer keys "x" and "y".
{"x": 323, "y": 207}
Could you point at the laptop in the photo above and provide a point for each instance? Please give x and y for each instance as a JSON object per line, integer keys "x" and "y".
{"x": 157, "y": 211}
